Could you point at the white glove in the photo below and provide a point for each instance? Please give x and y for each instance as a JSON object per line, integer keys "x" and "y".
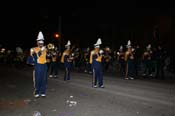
{"x": 43, "y": 48}
{"x": 133, "y": 49}
{"x": 31, "y": 50}
{"x": 101, "y": 51}
{"x": 92, "y": 52}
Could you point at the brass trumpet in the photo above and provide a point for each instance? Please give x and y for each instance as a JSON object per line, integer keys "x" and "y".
{"x": 50, "y": 46}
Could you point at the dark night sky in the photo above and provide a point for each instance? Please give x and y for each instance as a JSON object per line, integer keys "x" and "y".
{"x": 82, "y": 22}
{"x": 112, "y": 22}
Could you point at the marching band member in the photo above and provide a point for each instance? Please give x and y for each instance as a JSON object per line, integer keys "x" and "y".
{"x": 129, "y": 59}
{"x": 107, "y": 58}
{"x": 95, "y": 61}
{"x": 40, "y": 66}
{"x": 121, "y": 60}
{"x": 54, "y": 64}
{"x": 160, "y": 57}
{"x": 147, "y": 60}
{"x": 67, "y": 59}
{"x": 86, "y": 56}
{"x": 77, "y": 59}
{"x": 48, "y": 60}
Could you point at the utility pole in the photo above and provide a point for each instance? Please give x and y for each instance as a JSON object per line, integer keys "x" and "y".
{"x": 60, "y": 33}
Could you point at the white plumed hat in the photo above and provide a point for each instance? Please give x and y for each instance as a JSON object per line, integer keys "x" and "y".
{"x": 128, "y": 44}
{"x": 40, "y": 36}
{"x": 121, "y": 47}
{"x": 68, "y": 43}
{"x": 98, "y": 43}
{"x": 149, "y": 46}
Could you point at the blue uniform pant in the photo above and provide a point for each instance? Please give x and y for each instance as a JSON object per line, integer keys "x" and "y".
{"x": 98, "y": 74}
{"x": 131, "y": 69}
{"x": 40, "y": 75}
{"x": 54, "y": 68}
{"x": 94, "y": 78}
{"x": 122, "y": 67}
{"x": 67, "y": 73}
{"x": 148, "y": 67}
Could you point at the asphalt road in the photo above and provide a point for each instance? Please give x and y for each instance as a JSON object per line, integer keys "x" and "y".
{"x": 140, "y": 97}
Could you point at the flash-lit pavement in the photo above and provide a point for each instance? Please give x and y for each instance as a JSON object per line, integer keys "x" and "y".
{"x": 120, "y": 97}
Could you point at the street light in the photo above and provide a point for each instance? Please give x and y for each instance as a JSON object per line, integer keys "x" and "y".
{"x": 57, "y": 35}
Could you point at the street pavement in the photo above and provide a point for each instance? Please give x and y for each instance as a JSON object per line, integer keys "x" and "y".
{"x": 140, "y": 97}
